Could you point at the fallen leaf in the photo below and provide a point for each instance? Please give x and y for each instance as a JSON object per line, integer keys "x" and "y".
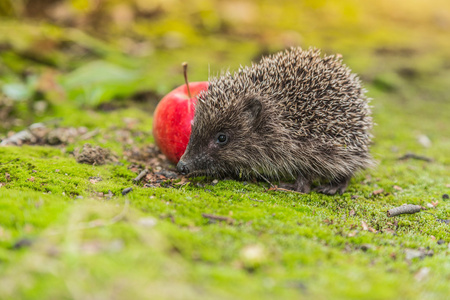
{"x": 389, "y": 230}
{"x": 377, "y": 192}
{"x": 364, "y": 225}
{"x": 352, "y": 233}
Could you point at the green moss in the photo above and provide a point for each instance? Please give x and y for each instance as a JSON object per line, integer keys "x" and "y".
{"x": 155, "y": 242}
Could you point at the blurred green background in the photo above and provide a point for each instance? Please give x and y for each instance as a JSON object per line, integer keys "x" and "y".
{"x": 102, "y": 53}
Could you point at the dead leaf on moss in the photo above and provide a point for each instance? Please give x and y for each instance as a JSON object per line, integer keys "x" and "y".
{"x": 377, "y": 192}
{"x": 364, "y": 225}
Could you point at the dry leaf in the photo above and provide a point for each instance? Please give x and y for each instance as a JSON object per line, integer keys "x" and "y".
{"x": 364, "y": 225}
{"x": 352, "y": 233}
{"x": 377, "y": 192}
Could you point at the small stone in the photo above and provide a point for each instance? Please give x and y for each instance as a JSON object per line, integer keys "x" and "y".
{"x": 422, "y": 274}
{"x": 147, "y": 222}
{"x": 413, "y": 253}
{"x": 79, "y": 197}
{"x": 167, "y": 174}
{"x": 445, "y": 197}
{"x": 365, "y": 247}
{"x": 253, "y": 255}
{"x": 440, "y": 242}
{"x": 424, "y": 141}
{"x": 215, "y": 181}
{"x": 22, "y": 243}
{"x": 126, "y": 191}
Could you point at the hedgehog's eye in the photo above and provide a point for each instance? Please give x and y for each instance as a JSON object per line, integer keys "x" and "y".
{"x": 221, "y": 139}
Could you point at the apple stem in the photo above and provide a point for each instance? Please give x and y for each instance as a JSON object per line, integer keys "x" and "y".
{"x": 185, "y": 65}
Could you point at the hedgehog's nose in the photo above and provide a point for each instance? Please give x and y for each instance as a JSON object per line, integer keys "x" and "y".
{"x": 182, "y": 168}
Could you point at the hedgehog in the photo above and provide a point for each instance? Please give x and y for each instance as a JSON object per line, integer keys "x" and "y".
{"x": 294, "y": 115}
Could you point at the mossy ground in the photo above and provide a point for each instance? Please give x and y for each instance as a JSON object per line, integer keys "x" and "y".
{"x": 155, "y": 242}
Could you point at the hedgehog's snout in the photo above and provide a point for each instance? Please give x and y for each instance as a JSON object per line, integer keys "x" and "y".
{"x": 182, "y": 168}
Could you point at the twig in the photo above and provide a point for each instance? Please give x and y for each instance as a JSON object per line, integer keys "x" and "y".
{"x": 89, "y": 134}
{"x": 218, "y": 218}
{"x": 99, "y": 223}
{"x": 275, "y": 188}
{"x": 141, "y": 175}
{"x": 437, "y": 219}
{"x": 415, "y": 156}
{"x": 9, "y": 161}
{"x": 404, "y": 209}
{"x": 255, "y": 200}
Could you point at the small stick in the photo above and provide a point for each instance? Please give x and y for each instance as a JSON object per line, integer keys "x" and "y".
{"x": 404, "y": 209}
{"x": 98, "y": 222}
{"x": 415, "y": 156}
{"x": 9, "y": 161}
{"x": 141, "y": 175}
{"x": 89, "y": 134}
{"x": 185, "y": 65}
{"x": 275, "y": 188}
{"x": 218, "y": 218}
{"x": 255, "y": 200}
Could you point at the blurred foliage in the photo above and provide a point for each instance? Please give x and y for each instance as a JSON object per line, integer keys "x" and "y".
{"x": 85, "y": 53}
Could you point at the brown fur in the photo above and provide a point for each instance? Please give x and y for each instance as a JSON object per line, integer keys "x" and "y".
{"x": 295, "y": 114}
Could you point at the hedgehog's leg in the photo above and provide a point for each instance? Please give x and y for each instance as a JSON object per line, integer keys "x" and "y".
{"x": 334, "y": 186}
{"x": 302, "y": 184}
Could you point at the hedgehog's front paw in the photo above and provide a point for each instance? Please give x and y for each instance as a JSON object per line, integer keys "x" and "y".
{"x": 333, "y": 187}
{"x": 328, "y": 189}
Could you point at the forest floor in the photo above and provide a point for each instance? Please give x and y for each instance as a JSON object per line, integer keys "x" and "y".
{"x": 69, "y": 230}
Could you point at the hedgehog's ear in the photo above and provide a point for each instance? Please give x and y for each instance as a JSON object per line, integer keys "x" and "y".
{"x": 253, "y": 108}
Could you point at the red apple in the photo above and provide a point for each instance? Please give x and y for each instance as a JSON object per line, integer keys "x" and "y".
{"x": 172, "y": 119}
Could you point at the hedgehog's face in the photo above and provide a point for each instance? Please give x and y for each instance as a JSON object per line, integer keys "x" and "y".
{"x": 224, "y": 140}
